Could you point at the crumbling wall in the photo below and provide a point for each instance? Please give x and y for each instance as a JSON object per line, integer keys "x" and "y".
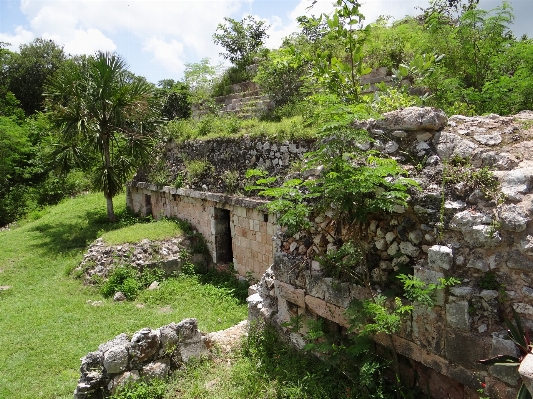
{"x": 448, "y": 230}
{"x": 147, "y": 355}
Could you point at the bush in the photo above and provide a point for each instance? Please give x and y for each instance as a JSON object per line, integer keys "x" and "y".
{"x": 123, "y": 279}
{"x": 154, "y": 389}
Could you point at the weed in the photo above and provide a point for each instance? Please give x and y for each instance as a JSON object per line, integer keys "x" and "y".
{"x": 155, "y": 389}
{"x": 196, "y": 169}
{"x": 231, "y": 180}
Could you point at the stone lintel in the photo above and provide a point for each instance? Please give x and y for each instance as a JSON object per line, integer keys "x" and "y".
{"x": 203, "y": 195}
{"x": 327, "y": 310}
{"x": 290, "y": 293}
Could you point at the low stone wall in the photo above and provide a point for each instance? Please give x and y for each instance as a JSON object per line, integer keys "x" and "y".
{"x": 244, "y": 227}
{"x": 167, "y": 255}
{"x": 232, "y": 155}
{"x": 147, "y": 355}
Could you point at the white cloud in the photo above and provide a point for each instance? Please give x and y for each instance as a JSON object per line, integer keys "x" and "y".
{"x": 168, "y": 54}
{"x": 168, "y": 29}
{"x": 21, "y": 36}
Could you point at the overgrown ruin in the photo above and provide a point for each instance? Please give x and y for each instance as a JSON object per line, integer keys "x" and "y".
{"x": 451, "y": 228}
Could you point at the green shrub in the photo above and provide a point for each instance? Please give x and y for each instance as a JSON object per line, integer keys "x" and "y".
{"x": 123, "y": 279}
{"x": 197, "y": 169}
{"x": 154, "y": 389}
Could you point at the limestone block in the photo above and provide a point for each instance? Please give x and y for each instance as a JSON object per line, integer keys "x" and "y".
{"x": 478, "y": 263}
{"x": 393, "y": 249}
{"x": 327, "y": 310}
{"x": 488, "y": 139}
{"x": 457, "y": 315}
{"x": 315, "y": 285}
{"x": 123, "y": 379}
{"x": 482, "y": 236}
{"x": 488, "y": 295}
{"x": 516, "y": 182}
{"x": 290, "y": 293}
{"x": 169, "y": 338}
{"x": 400, "y": 261}
{"x": 454, "y": 205}
{"x": 390, "y": 147}
{"x": 431, "y": 277}
{"x": 465, "y": 220}
{"x": 513, "y": 218}
{"x": 440, "y": 257}
{"x": 158, "y": 369}
{"x": 523, "y": 308}
{"x": 145, "y": 343}
{"x": 409, "y": 249}
{"x": 449, "y": 145}
{"x": 416, "y": 236}
{"x": 526, "y": 246}
{"x": 89, "y": 384}
{"x": 390, "y": 236}
{"x": 462, "y": 292}
{"x": 428, "y": 327}
{"x": 466, "y": 349}
{"x": 116, "y": 359}
{"x": 399, "y": 134}
{"x": 413, "y": 119}
{"x": 381, "y": 244}
{"x": 515, "y": 260}
{"x": 337, "y": 293}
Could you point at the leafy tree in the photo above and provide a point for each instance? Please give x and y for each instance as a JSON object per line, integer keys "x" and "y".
{"x": 201, "y": 77}
{"x": 105, "y": 119}
{"x": 175, "y": 99}
{"x": 242, "y": 39}
{"x": 28, "y": 70}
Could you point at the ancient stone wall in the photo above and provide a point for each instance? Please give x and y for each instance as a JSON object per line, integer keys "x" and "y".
{"x": 248, "y": 231}
{"x": 449, "y": 230}
{"x": 453, "y": 227}
{"x": 147, "y": 355}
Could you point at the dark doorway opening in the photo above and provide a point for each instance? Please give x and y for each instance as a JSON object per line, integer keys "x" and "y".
{"x": 147, "y": 204}
{"x": 223, "y": 244}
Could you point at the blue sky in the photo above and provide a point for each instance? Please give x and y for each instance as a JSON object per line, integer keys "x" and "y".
{"x": 158, "y": 37}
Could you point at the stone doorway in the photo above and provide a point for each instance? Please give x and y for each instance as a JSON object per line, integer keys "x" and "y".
{"x": 223, "y": 242}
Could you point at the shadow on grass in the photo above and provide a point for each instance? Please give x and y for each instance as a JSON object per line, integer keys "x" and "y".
{"x": 225, "y": 280}
{"x": 79, "y": 232}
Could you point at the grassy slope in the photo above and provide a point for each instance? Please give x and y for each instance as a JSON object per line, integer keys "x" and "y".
{"x": 46, "y": 324}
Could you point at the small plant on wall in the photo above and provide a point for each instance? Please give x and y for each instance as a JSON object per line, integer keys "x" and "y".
{"x": 522, "y": 339}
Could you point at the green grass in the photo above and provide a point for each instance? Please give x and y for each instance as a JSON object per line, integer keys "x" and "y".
{"x": 268, "y": 368}
{"x": 210, "y": 127}
{"x": 46, "y": 323}
{"x": 154, "y": 231}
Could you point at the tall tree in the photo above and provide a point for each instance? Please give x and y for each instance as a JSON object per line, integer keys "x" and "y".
{"x": 241, "y": 39}
{"x": 28, "y": 70}
{"x": 105, "y": 118}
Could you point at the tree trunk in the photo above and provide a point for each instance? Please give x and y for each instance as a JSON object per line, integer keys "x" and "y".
{"x": 108, "y": 190}
{"x": 110, "y": 211}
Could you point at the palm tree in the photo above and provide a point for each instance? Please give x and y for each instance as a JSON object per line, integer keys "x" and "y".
{"x": 104, "y": 116}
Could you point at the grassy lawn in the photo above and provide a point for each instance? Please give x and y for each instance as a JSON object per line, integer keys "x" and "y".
{"x": 46, "y": 324}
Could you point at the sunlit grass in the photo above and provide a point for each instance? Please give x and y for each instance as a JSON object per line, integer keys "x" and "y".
{"x": 46, "y": 322}
{"x": 152, "y": 231}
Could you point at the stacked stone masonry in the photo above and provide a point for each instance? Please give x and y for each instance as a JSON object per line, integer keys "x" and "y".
{"x": 252, "y": 232}
{"x": 446, "y": 231}
{"x": 149, "y": 354}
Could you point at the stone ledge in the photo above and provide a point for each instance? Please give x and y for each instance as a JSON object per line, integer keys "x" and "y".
{"x": 204, "y": 195}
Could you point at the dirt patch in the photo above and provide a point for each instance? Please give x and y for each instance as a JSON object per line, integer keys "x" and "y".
{"x": 228, "y": 339}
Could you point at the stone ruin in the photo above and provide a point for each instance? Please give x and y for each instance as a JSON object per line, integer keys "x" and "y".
{"x": 147, "y": 355}
{"x": 447, "y": 230}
